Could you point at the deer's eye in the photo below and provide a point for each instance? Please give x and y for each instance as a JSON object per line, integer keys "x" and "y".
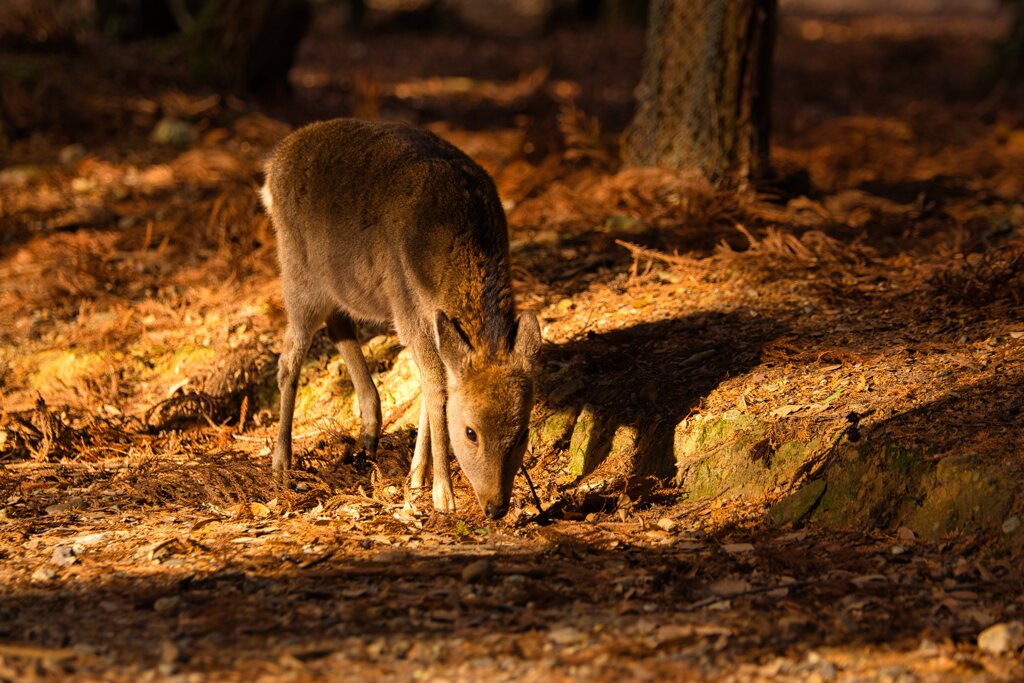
{"x": 470, "y": 434}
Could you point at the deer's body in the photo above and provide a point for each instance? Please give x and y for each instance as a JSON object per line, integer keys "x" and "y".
{"x": 385, "y": 222}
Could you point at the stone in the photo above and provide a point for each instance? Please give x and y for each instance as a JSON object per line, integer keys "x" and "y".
{"x": 1011, "y": 524}
{"x": 667, "y": 524}
{"x": 63, "y": 556}
{"x": 43, "y": 574}
{"x": 1003, "y": 638}
{"x": 737, "y": 548}
{"x": 72, "y": 503}
{"x": 581, "y": 444}
{"x": 799, "y": 504}
{"x": 552, "y": 429}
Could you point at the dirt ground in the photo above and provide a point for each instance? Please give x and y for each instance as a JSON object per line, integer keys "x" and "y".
{"x": 778, "y": 437}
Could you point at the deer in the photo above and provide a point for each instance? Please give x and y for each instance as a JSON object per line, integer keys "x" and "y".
{"x": 386, "y": 223}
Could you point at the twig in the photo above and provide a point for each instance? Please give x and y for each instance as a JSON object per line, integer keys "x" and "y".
{"x": 541, "y": 514}
{"x": 256, "y": 439}
{"x": 654, "y": 255}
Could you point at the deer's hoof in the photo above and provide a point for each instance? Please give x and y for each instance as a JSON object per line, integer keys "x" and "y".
{"x": 444, "y": 498}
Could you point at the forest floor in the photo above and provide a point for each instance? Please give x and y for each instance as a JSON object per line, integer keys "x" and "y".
{"x": 778, "y": 437}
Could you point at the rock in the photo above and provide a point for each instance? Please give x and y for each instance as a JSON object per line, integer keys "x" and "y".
{"x": 552, "y": 429}
{"x": 582, "y": 446}
{"x": 624, "y": 446}
{"x": 795, "y": 507}
{"x": 897, "y": 550}
{"x": 166, "y": 605}
{"x": 171, "y": 131}
{"x": 1011, "y": 524}
{"x": 906, "y": 535}
{"x": 89, "y": 539}
{"x": 43, "y": 574}
{"x": 736, "y": 548}
{"x": 1007, "y": 637}
{"x": 667, "y": 524}
{"x": 63, "y": 556}
{"x": 72, "y": 503}
{"x": 71, "y": 154}
{"x": 474, "y": 572}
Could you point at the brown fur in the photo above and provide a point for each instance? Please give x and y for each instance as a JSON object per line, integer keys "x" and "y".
{"x": 388, "y": 223}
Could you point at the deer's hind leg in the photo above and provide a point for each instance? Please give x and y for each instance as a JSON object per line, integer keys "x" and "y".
{"x": 302, "y": 323}
{"x": 342, "y": 332}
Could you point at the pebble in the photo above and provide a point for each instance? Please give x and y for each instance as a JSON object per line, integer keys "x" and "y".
{"x": 89, "y": 539}
{"x": 63, "y": 556}
{"x": 43, "y": 575}
{"x": 1011, "y": 524}
{"x": 1002, "y": 638}
{"x": 735, "y": 548}
{"x": 667, "y": 524}
{"x": 72, "y": 503}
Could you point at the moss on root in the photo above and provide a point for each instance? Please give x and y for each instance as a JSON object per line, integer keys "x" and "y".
{"x": 860, "y": 487}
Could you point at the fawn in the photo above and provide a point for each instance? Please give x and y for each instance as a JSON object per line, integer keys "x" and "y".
{"x": 385, "y": 222}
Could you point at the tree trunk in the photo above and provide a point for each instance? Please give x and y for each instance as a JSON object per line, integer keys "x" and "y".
{"x": 704, "y": 98}
{"x": 248, "y": 44}
{"x": 1007, "y": 63}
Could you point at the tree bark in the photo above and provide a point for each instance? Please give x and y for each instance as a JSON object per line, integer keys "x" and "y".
{"x": 704, "y": 96}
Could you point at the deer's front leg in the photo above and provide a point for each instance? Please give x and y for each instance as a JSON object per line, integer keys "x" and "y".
{"x": 432, "y": 383}
{"x": 421, "y": 456}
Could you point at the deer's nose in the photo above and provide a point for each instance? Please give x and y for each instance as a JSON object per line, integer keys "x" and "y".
{"x": 496, "y": 511}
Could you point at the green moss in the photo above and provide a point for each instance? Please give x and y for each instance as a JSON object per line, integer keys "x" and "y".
{"x": 799, "y": 504}
{"x": 182, "y": 360}
{"x": 585, "y": 446}
{"x": 59, "y": 368}
{"x": 623, "y": 445}
{"x": 851, "y": 484}
{"x": 552, "y": 429}
{"x": 960, "y": 495}
{"x": 704, "y": 481}
{"x": 325, "y": 391}
{"x": 714, "y": 454}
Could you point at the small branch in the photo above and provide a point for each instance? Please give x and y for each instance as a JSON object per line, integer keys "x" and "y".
{"x": 541, "y": 515}
{"x": 643, "y": 252}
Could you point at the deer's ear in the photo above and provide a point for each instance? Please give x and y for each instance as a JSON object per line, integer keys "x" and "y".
{"x": 451, "y": 342}
{"x": 527, "y": 344}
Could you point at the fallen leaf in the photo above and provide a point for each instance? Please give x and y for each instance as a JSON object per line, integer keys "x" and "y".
{"x": 785, "y": 410}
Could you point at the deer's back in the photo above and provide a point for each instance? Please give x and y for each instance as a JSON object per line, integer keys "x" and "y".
{"x": 382, "y": 216}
